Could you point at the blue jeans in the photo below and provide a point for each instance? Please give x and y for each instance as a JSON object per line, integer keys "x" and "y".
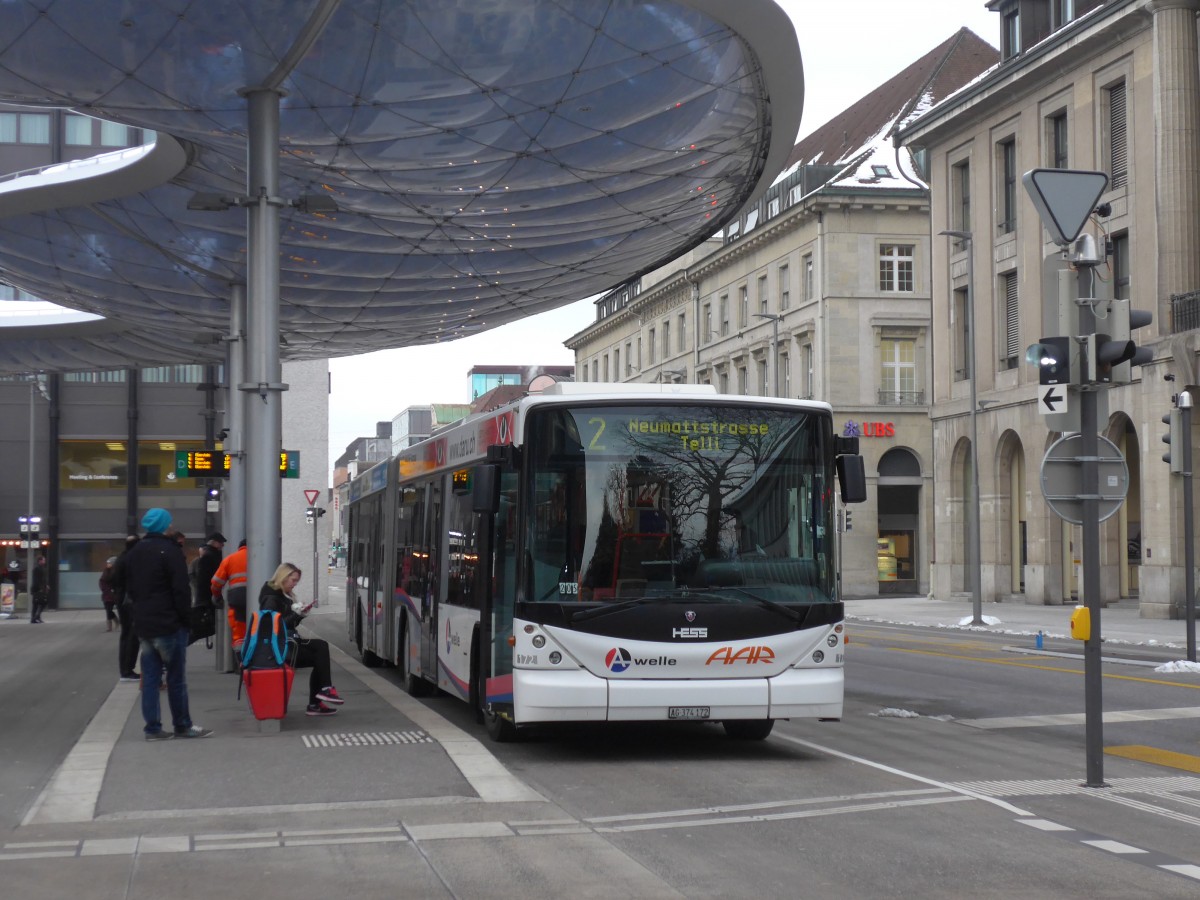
{"x": 167, "y": 652}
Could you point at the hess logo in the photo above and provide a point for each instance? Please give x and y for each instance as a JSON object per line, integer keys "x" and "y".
{"x": 728, "y": 656}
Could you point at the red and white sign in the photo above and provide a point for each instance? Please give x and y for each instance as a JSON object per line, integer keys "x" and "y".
{"x": 311, "y": 497}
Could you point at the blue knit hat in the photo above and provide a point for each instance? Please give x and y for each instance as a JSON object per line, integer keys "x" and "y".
{"x": 156, "y": 520}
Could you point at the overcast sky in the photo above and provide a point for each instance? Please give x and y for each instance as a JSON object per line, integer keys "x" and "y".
{"x": 848, "y": 47}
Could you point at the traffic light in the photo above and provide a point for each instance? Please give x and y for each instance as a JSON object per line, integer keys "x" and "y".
{"x": 1174, "y": 439}
{"x": 1052, "y": 356}
{"x": 1123, "y": 319}
{"x": 312, "y": 513}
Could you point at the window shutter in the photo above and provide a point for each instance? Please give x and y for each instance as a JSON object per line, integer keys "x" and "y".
{"x": 1116, "y": 136}
{"x": 1012, "y": 345}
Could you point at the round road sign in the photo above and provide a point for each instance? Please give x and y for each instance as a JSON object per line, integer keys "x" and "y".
{"x": 1062, "y": 478}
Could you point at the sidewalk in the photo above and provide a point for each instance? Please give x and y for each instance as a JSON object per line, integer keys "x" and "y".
{"x": 1120, "y": 624}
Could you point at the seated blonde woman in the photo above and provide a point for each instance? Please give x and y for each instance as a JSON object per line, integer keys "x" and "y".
{"x": 277, "y": 595}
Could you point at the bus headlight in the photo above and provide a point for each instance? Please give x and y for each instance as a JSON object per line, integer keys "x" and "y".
{"x": 818, "y": 656}
{"x": 539, "y": 640}
{"x": 555, "y": 658}
{"x": 832, "y": 640}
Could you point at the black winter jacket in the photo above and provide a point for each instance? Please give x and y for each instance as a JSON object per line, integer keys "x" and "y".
{"x": 275, "y": 599}
{"x": 205, "y": 566}
{"x": 156, "y": 580}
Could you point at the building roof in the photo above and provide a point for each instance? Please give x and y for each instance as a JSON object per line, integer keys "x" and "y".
{"x": 865, "y": 126}
{"x": 488, "y": 162}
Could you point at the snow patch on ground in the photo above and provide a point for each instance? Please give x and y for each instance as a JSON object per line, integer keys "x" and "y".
{"x": 1181, "y": 665}
{"x": 1045, "y": 634}
{"x": 987, "y": 620}
{"x": 893, "y": 713}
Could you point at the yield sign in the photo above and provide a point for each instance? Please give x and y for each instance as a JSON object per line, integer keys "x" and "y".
{"x": 1053, "y": 399}
{"x": 1064, "y": 199}
{"x": 311, "y": 496}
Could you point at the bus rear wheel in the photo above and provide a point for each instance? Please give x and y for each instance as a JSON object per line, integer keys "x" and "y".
{"x": 748, "y": 729}
{"x": 369, "y": 658}
{"x": 414, "y": 685}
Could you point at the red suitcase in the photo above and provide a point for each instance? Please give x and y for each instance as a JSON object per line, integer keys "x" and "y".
{"x": 268, "y": 691}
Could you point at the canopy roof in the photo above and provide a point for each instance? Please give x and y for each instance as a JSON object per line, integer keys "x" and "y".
{"x": 489, "y": 161}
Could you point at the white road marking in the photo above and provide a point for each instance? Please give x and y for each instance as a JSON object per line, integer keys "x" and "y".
{"x": 1113, "y": 846}
{"x": 1044, "y": 825}
{"x": 912, "y": 776}
{"x": 1110, "y": 718}
{"x": 1187, "y": 869}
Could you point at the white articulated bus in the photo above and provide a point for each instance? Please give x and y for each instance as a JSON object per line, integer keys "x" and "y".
{"x": 601, "y": 552}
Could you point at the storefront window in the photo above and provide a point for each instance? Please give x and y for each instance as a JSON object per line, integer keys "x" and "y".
{"x": 103, "y": 465}
{"x": 79, "y": 566}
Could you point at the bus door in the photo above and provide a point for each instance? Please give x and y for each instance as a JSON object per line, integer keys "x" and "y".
{"x": 433, "y": 539}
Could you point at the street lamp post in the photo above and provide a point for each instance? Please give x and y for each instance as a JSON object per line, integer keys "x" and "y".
{"x": 774, "y": 350}
{"x": 973, "y": 512}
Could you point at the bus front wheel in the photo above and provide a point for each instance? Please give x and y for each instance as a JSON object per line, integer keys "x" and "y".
{"x": 499, "y": 729}
{"x": 748, "y": 729}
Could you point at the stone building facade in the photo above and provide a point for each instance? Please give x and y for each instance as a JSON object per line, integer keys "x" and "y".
{"x": 820, "y": 291}
{"x": 1100, "y": 86}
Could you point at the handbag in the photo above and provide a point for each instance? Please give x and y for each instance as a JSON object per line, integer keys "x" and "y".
{"x": 203, "y": 624}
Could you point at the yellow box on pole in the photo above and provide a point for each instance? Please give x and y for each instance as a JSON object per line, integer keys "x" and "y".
{"x": 1081, "y": 624}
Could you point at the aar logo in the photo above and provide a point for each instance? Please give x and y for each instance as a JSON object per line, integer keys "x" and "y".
{"x": 617, "y": 659}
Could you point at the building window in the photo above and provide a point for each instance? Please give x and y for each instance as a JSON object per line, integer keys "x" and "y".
{"x": 1006, "y": 164}
{"x": 78, "y": 131}
{"x": 639, "y": 362}
{"x": 1120, "y": 266}
{"x": 595, "y": 370}
{"x": 666, "y": 338}
{"x": 24, "y": 128}
{"x": 960, "y": 200}
{"x": 606, "y": 374}
{"x": 173, "y": 375}
{"x": 895, "y": 267}
{"x": 763, "y": 387}
{"x": 1114, "y": 147}
{"x": 724, "y": 312}
{"x": 773, "y": 207}
{"x": 762, "y": 293}
{"x": 1061, "y": 12}
{"x": 708, "y": 322}
{"x": 743, "y": 306}
{"x": 962, "y": 336}
{"x": 785, "y": 289}
{"x": 898, "y": 372}
{"x": 785, "y": 375}
{"x": 681, "y": 333}
{"x": 1012, "y": 326}
{"x": 743, "y": 380}
{"x": 653, "y": 348}
{"x": 114, "y": 135}
{"x": 628, "y": 358}
{"x": 1010, "y": 34}
{"x": 806, "y": 372}
{"x": 616, "y": 364}
{"x": 723, "y": 382}
{"x": 807, "y": 265}
{"x": 1056, "y": 141}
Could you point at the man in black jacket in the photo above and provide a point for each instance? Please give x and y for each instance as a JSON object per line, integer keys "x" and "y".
{"x": 127, "y": 649}
{"x": 204, "y": 567}
{"x": 39, "y": 592}
{"x": 156, "y": 580}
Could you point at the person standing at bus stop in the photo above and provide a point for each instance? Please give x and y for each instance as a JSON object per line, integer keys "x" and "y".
{"x": 230, "y": 577}
{"x": 127, "y": 649}
{"x": 156, "y": 580}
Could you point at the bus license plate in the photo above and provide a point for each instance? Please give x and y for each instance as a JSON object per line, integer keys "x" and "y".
{"x": 689, "y": 712}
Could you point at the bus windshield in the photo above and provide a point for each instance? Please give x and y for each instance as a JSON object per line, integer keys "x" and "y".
{"x": 651, "y": 502}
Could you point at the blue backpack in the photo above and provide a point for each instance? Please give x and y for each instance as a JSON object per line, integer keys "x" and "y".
{"x": 266, "y": 644}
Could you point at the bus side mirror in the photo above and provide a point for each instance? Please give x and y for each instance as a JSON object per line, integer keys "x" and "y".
{"x": 485, "y": 492}
{"x": 852, "y": 478}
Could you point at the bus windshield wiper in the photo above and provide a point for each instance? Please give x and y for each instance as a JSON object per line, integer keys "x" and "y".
{"x": 789, "y": 612}
{"x": 674, "y": 596}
